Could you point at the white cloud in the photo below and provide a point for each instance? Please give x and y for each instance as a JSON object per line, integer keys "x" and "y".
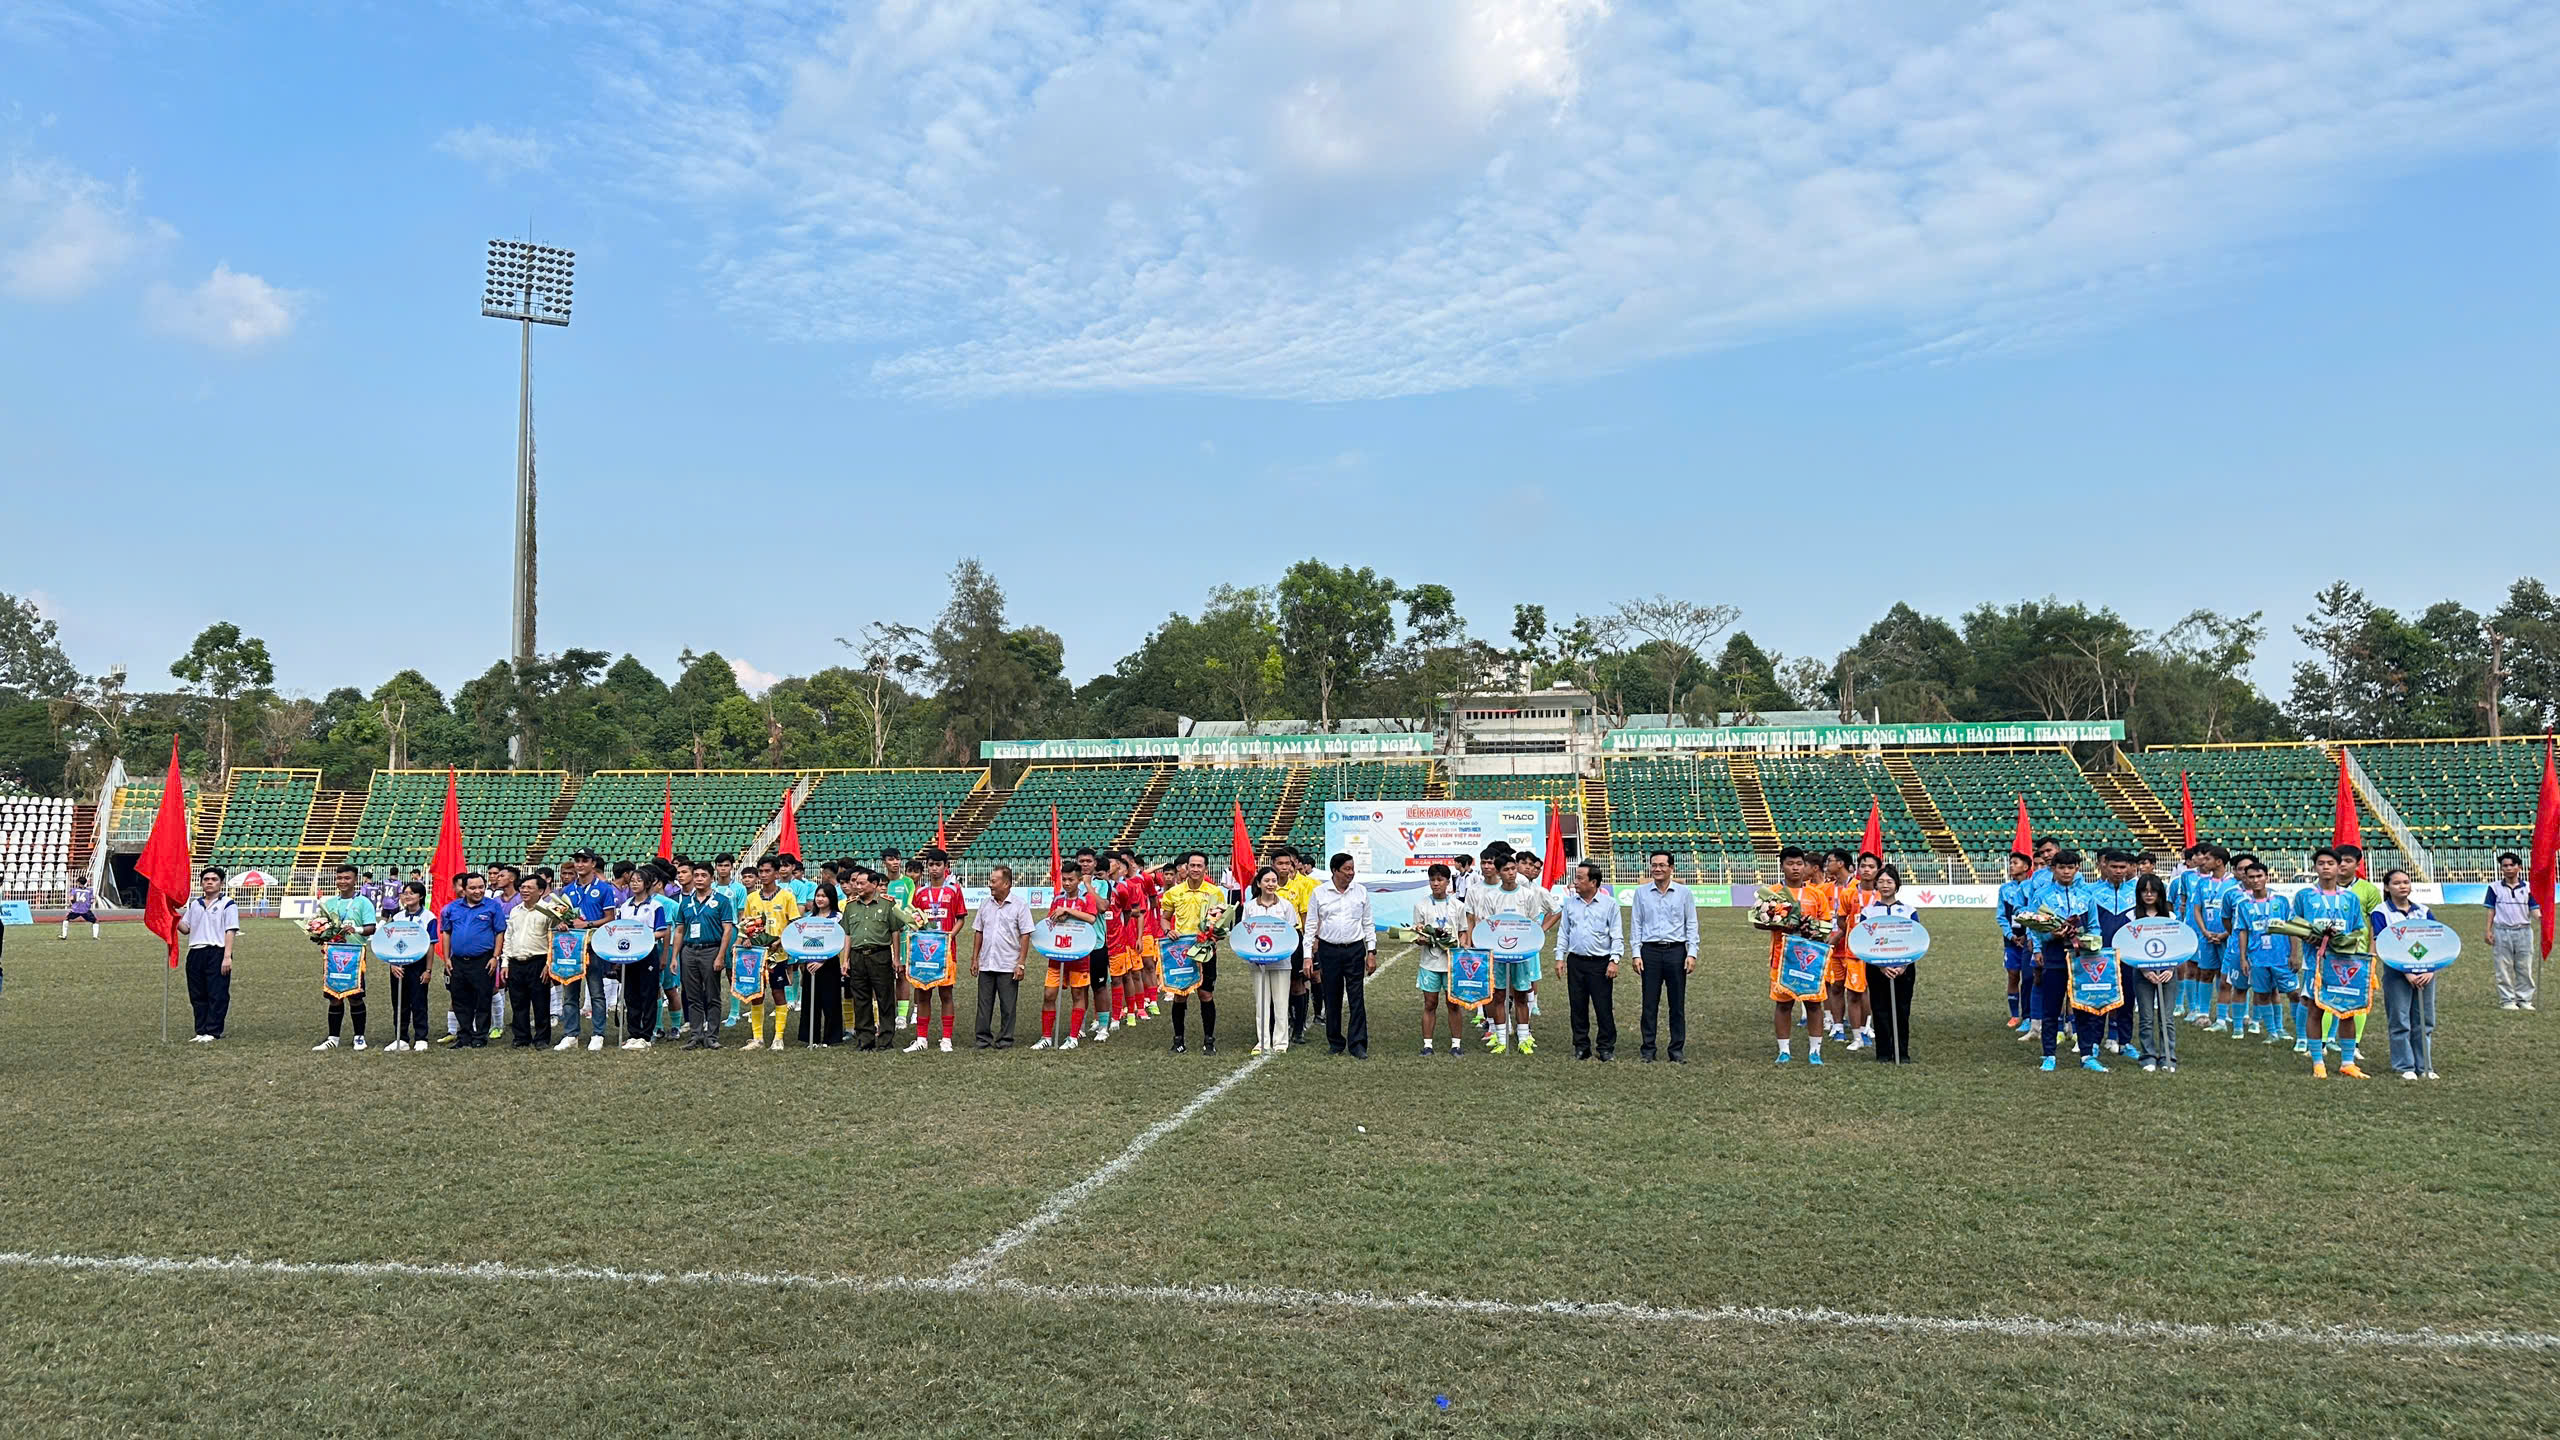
{"x": 230, "y": 310}
{"x": 497, "y": 154}
{"x": 1330, "y": 199}
{"x": 751, "y": 679}
{"x": 62, "y": 233}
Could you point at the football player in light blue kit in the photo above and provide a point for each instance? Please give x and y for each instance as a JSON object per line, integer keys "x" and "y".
{"x": 2326, "y": 898}
{"x": 2208, "y": 913}
{"x": 2016, "y": 953}
{"x": 2112, "y": 895}
{"x": 2182, "y": 904}
{"x": 2270, "y": 955}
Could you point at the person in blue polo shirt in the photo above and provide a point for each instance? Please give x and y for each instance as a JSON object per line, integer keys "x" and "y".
{"x": 2015, "y": 950}
{"x": 473, "y": 926}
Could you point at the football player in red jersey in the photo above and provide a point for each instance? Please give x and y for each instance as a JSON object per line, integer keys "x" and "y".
{"x": 945, "y": 907}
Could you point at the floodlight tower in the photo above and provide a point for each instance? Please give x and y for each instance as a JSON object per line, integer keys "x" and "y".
{"x": 530, "y": 285}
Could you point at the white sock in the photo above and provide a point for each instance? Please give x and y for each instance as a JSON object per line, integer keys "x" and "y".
{"x": 1783, "y": 1050}
{"x": 1816, "y": 1045}
{"x": 1426, "y": 1043}
{"x": 1524, "y": 1029}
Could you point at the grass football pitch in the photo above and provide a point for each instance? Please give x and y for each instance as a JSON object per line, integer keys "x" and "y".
{"x": 250, "y": 1238}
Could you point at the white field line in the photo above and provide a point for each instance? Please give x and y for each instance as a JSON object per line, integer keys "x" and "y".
{"x": 978, "y": 1267}
{"x": 1257, "y": 1297}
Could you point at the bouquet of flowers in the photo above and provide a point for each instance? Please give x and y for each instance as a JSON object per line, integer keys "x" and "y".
{"x": 2064, "y": 929}
{"x": 1214, "y": 921}
{"x": 751, "y": 931}
{"x": 917, "y": 919}
{"x": 1781, "y": 912}
{"x": 2324, "y": 934}
{"x": 327, "y": 929}
{"x": 1436, "y": 936}
{"x": 555, "y": 908}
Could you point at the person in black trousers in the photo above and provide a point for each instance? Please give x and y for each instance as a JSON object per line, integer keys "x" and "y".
{"x": 473, "y": 928}
{"x": 528, "y": 966}
{"x": 1665, "y": 926}
{"x": 1587, "y": 933}
{"x": 1341, "y": 950}
{"x": 212, "y": 924}
{"x": 1889, "y": 986}
{"x": 822, "y": 1015}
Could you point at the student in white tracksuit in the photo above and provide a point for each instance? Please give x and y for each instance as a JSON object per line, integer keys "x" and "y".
{"x": 2511, "y": 908}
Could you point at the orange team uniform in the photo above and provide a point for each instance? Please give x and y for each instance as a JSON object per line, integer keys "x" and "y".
{"x": 1126, "y": 935}
{"x": 1816, "y": 899}
{"x": 1847, "y": 903}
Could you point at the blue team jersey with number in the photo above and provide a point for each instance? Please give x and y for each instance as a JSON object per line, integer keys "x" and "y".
{"x": 2249, "y": 922}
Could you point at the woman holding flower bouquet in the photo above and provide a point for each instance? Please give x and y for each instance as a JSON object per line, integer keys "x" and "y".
{"x": 345, "y": 918}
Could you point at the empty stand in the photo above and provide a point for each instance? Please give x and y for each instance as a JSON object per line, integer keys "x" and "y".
{"x": 2466, "y": 800}
{"x": 1197, "y": 811}
{"x": 718, "y": 812}
{"x": 35, "y": 845}
{"x": 1560, "y": 791}
{"x": 1822, "y": 801}
{"x": 856, "y": 814}
{"x": 137, "y": 805}
{"x": 501, "y": 812}
{"x": 1094, "y": 804}
{"x": 1977, "y": 793}
{"x": 1685, "y": 804}
{"x": 263, "y": 816}
{"x": 2274, "y": 799}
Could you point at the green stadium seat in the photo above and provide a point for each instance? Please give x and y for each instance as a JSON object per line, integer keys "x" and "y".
{"x": 1977, "y": 792}
{"x": 717, "y": 812}
{"x": 2278, "y": 800}
{"x": 1094, "y": 803}
{"x": 1821, "y": 802}
{"x": 262, "y": 820}
{"x": 501, "y": 813}
{"x": 1354, "y": 780}
{"x": 1681, "y": 803}
{"x": 2465, "y": 800}
{"x": 1197, "y": 811}
{"x": 856, "y": 814}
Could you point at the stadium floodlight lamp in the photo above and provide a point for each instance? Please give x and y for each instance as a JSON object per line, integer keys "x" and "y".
{"x": 529, "y": 284}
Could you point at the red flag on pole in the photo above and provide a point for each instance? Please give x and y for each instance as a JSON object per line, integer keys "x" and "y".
{"x": 941, "y": 837}
{"x": 2186, "y": 812}
{"x": 667, "y": 823}
{"x": 167, "y": 867}
{"x": 788, "y": 841}
{"x": 1873, "y": 844}
{"x": 1057, "y": 856}
{"x": 1551, "y": 869}
{"x": 1240, "y": 853}
{"x": 2343, "y": 827}
{"x": 448, "y": 861}
{"x": 2546, "y": 842}
{"x": 2024, "y": 841}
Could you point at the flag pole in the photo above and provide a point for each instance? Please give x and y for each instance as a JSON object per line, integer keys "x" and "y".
{"x": 164, "y": 1004}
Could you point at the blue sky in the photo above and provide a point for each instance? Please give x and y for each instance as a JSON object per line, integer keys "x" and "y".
{"x": 1804, "y": 307}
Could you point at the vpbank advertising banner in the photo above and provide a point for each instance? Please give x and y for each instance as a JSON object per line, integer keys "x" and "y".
{"x": 1394, "y": 843}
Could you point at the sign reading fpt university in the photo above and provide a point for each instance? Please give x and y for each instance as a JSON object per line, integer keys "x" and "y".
{"x": 1848, "y": 737}
{"x": 1207, "y": 747}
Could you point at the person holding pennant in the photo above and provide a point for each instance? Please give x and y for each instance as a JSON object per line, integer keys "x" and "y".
{"x": 2412, "y": 945}
{"x": 1074, "y": 912}
{"x": 1265, "y": 937}
{"x": 814, "y": 945}
{"x": 403, "y": 942}
{"x": 1437, "y": 920}
{"x": 585, "y": 1009}
{"x": 761, "y": 983}
{"x": 706, "y": 928}
{"x": 939, "y": 905}
{"x": 2072, "y": 972}
{"x": 1195, "y": 916}
{"x": 1000, "y": 937}
{"x": 1886, "y": 940}
{"x": 345, "y": 922}
{"x": 2330, "y": 925}
{"x": 927, "y": 967}
{"x": 1797, "y": 914}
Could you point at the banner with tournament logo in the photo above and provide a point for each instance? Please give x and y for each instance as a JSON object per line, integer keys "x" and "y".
{"x": 1264, "y": 940}
{"x": 2417, "y": 947}
{"x": 928, "y": 958}
{"x": 2343, "y": 982}
{"x": 1065, "y": 941}
{"x": 1889, "y": 940}
{"x": 1801, "y": 964}
{"x": 1181, "y": 971}
{"x": 568, "y": 956}
{"x": 813, "y": 937}
{"x": 1511, "y": 937}
{"x": 1470, "y": 978}
{"x": 2097, "y": 982}
{"x": 620, "y": 942}
{"x": 342, "y": 971}
{"x": 1394, "y": 843}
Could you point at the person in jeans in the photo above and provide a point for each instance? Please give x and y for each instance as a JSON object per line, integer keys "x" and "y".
{"x": 705, "y": 923}
{"x": 212, "y": 923}
{"x": 1666, "y": 951}
{"x": 1588, "y": 937}
{"x": 873, "y": 925}
{"x": 2511, "y": 915}
{"x": 999, "y": 934}
{"x": 2155, "y": 1025}
{"x": 2408, "y": 1001}
{"x": 528, "y": 965}
{"x": 583, "y": 1001}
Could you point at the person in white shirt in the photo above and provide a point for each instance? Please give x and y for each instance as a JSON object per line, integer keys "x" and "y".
{"x": 212, "y": 925}
{"x": 1502, "y": 891}
{"x": 1341, "y": 935}
{"x": 1462, "y": 879}
{"x": 999, "y": 935}
{"x": 1591, "y": 941}
{"x": 1442, "y": 913}
{"x": 2511, "y": 907}
{"x": 1271, "y": 983}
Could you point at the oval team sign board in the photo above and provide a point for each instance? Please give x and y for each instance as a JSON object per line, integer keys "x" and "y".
{"x": 1065, "y": 939}
{"x": 396, "y": 942}
{"x": 619, "y": 941}
{"x": 1510, "y": 937}
{"x": 813, "y": 937}
{"x": 1889, "y": 940}
{"x": 2155, "y": 942}
{"x": 2417, "y": 947}
{"x": 1265, "y": 940}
